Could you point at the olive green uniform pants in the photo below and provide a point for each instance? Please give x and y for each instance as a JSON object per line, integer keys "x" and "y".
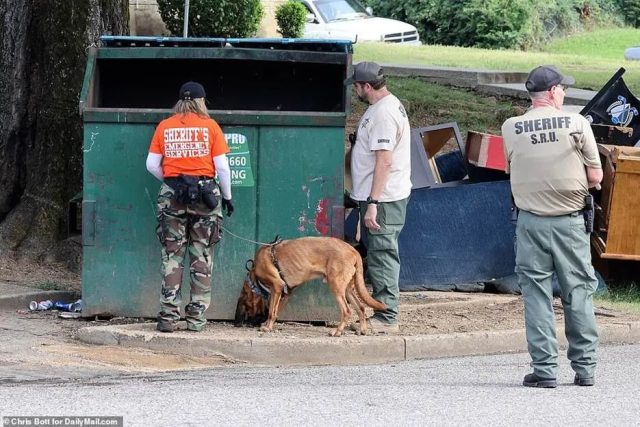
{"x": 560, "y": 244}
{"x": 383, "y": 259}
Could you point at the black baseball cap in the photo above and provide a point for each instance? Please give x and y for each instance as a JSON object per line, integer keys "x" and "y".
{"x": 192, "y": 90}
{"x": 544, "y": 77}
{"x": 365, "y": 72}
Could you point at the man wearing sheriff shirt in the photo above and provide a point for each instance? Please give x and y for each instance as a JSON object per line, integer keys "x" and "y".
{"x": 553, "y": 159}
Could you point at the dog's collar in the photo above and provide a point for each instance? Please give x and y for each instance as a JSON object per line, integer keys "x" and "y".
{"x": 274, "y": 259}
{"x": 258, "y": 288}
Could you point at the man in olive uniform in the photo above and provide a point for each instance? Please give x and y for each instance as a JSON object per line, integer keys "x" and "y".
{"x": 381, "y": 174}
{"x": 553, "y": 160}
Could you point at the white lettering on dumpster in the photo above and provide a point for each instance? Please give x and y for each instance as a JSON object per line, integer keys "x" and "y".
{"x": 239, "y": 160}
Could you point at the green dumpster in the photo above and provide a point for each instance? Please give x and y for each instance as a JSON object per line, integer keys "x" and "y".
{"x": 282, "y": 106}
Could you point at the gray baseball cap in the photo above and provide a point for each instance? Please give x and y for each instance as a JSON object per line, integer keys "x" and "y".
{"x": 365, "y": 72}
{"x": 544, "y": 77}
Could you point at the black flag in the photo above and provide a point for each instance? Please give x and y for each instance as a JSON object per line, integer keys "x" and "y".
{"x": 615, "y": 105}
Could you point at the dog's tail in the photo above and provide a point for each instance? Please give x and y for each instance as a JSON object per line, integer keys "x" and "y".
{"x": 362, "y": 289}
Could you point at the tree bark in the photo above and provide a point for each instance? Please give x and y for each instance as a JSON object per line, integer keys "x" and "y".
{"x": 43, "y": 50}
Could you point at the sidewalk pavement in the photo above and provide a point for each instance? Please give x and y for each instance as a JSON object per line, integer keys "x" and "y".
{"x": 301, "y": 344}
{"x": 251, "y": 346}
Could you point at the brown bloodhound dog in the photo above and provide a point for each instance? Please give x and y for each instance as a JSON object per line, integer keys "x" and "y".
{"x": 282, "y": 266}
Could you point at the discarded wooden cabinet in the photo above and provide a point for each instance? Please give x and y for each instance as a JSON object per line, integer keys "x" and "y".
{"x": 617, "y": 229}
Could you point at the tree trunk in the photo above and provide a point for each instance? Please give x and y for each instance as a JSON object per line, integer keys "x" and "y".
{"x": 43, "y": 47}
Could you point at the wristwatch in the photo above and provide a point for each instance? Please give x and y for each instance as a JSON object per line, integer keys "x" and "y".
{"x": 371, "y": 201}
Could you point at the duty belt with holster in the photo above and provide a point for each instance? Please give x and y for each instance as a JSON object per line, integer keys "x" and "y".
{"x": 190, "y": 190}
{"x": 587, "y": 213}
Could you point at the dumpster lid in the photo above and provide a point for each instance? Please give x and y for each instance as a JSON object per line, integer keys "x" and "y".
{"x": 316, "y": 45}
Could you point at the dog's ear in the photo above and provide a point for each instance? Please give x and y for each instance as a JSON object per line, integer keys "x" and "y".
{"x": 243, "y": 303}
{"x": 251, "y": 308}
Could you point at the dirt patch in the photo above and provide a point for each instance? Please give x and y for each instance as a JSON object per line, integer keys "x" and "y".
{"x": 45, "y": 276}
{"x": 429, "y": 313}
{"x": 421, "y": 313}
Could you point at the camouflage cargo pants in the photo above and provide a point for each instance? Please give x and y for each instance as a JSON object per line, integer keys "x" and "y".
{"x": 195, "y": 228}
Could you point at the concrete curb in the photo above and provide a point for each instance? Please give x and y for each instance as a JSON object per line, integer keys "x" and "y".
{"x": 492, "y": 82}
{"x": 347, "y": 350}
{"x": 464, "y": 77}
{"x": 21, "y": 300}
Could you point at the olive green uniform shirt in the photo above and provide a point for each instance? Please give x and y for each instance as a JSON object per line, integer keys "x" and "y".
{"x": 546, "y": 151}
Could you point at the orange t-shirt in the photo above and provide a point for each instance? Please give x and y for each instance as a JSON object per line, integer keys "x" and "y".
{"x": 188, "y": 143}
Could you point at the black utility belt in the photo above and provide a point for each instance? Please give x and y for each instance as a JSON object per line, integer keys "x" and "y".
{"x": 182, "y": 178}
{"x": 190, "y": 189}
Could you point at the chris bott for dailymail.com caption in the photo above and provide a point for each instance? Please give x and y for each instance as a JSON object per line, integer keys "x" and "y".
{"x": 62, "y": 421}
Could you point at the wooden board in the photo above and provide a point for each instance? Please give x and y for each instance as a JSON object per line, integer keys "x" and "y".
{"x": 623, "y": 237}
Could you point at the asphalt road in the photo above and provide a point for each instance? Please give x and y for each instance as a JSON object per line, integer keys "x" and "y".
{"x": 459, "y": 391}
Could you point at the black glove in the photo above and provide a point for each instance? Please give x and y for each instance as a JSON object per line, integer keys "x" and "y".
{"x": 227, "y": 205}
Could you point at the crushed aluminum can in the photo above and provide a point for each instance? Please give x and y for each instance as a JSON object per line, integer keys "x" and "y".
{"x": 62, "y": 306}
{"x": 40, "y": 306}
{"x": 77, "y": 306}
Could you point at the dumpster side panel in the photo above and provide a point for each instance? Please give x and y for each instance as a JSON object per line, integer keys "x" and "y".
{"x": 121, "y": 256}
{"x": 301, "y": 180}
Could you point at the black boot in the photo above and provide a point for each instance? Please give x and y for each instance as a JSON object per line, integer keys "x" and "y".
{"x": 532, "y": 380}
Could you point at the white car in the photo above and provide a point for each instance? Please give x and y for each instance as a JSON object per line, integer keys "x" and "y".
{"x": 349, "y": 20}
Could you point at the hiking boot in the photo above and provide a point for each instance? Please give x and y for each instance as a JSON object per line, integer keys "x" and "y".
{"x": 165, "y": 325}
{"x": 377, "y": 326}
{"x": 532, "y": 380}
{"x": 584, "y": 381}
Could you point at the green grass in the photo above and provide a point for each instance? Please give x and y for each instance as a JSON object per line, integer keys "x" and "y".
{"x": 609, "y": 44}
{"x": 430, "y": 104}
{"x": 592, "y": 58}
{"x": 621, "y": 296}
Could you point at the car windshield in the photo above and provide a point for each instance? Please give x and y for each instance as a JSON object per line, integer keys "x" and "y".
{"x": 340, "y": 10}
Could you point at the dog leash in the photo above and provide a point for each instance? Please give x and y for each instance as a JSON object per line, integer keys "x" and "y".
{"x": 245, "y": 239}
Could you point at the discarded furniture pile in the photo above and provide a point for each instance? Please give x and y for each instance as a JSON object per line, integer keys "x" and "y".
{"x": 458, "y": 233}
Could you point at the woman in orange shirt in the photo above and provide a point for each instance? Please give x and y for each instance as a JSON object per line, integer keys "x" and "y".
{"x": 187, "y": 151}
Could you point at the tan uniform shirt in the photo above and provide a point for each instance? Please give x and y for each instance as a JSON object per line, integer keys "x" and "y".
{"x": 384, "y": 126}
{"x": 547, "y": 151}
